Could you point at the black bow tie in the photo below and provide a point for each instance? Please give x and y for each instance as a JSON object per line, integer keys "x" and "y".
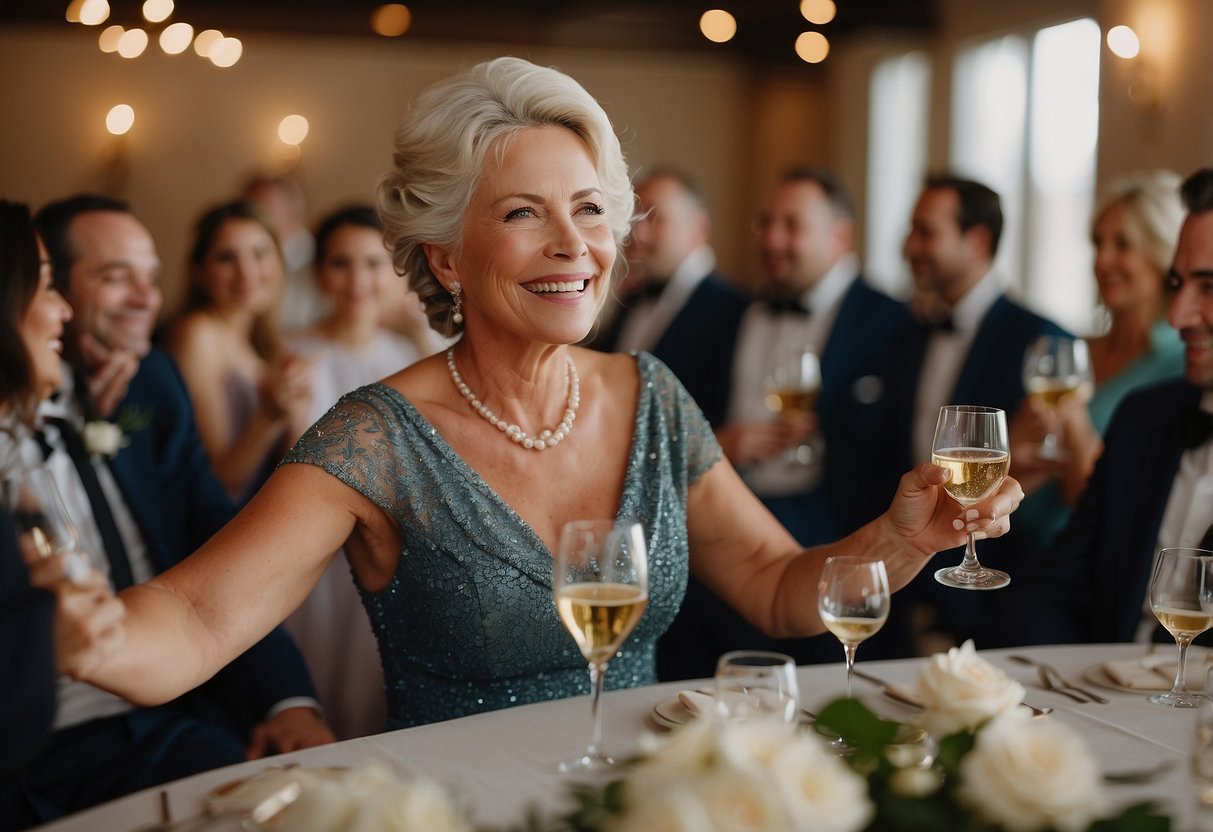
{"x": 1195, "y": 426}
{"x": 942, "y": 325}
{"x": 47, "y": 447}
{"x": 785, "y": 306}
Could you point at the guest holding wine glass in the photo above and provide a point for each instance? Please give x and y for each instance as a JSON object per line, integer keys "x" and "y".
{"x": 1134, "y": 233}
{"x": 41, "y": 634}
{"x": 448, "y": 483}
{"x": 1148, "y": 490}
{"x": 246, "y": 389}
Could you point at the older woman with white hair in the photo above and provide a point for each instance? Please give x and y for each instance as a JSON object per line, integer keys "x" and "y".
{"x": 448, "y": 483}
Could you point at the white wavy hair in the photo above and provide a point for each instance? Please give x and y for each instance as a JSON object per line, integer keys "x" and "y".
{"x": 440, "y": 151}
{"x": 1153, "y": 209}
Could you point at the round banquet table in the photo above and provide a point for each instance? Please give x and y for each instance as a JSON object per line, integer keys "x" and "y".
{"x": 503, "y": 764}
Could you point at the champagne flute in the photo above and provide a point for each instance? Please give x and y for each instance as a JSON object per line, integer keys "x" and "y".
{"x": 600, "y": 582}
{"x": 1181, "y": 598}
{"x": 971, "y": 442}
{"x": 792, "y": 386}
{"x": 1055, "y": 366}
{"x": 853, "y": 602}
{"x": 757, "y": 684}
{"x": 32, "y": 498}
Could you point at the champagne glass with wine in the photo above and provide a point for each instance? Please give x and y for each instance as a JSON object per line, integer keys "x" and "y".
{"x": 1054, "y": 367}
{"x": 971, "y": 442}
{"x": 792, "y": 386}
{"x": 600, "y": 582}
{"x": 32, "y": 498}
{"x": 1181, "y": 598}
{"x": 853, "y": 602}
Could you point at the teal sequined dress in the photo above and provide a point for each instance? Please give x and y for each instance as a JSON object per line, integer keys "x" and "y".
{"x": 467, "y": 623}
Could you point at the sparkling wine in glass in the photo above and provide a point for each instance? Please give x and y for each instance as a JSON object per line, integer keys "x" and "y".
{"x": 971, "y": 442}
{"x": 757, "y": 684}
{"x": 1181, "y": 598}
{"x": 600, "y": 582}
{"x": 853, "y": 602}
{"x": 792, "y": 386}
{"x": 32, "y": 498}
{"x": 1055, "y": 366}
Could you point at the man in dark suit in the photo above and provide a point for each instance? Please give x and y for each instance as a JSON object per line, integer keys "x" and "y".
{"x": 814, "y": 296}
{"x": 1150, "y": 489}
{"x": 680, "y": 308}
{"x": 965, "y": 345}
{"x": 139, "y": 512}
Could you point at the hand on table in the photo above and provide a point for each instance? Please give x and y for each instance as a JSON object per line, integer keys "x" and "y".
{"x": 289, "y": 730}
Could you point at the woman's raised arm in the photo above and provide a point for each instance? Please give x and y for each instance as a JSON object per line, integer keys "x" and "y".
{"x": 747, "y": 558}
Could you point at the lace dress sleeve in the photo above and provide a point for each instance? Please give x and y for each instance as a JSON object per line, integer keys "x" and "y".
{"x": 354, "y": 442}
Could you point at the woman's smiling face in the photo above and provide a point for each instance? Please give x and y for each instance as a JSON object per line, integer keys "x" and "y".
{"x": 42, "y": 330}
{"x": 536, "y": 251}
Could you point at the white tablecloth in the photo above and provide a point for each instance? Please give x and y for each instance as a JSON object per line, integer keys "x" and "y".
{"x": 503, "y": 763}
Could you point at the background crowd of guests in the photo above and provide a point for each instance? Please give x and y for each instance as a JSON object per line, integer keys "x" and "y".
{"x": 245, "y": 375}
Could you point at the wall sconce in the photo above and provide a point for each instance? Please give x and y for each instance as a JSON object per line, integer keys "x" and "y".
{"x": 116, "y": 166}
{"x": 1143, "y": 89}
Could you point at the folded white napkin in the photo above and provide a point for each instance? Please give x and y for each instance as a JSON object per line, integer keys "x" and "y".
{"x": 700, "y": 703}
{"x": 1146, "y": 673}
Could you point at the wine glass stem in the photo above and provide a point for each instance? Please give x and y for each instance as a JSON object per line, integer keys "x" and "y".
{"x": 1180, "y": 687}
{"x": 597, "y": 675}
{"x": 848, "y": 648}
{"x": 970, "y": 564}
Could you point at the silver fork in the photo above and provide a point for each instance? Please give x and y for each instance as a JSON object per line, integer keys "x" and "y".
{"x": 1052, "y": 679}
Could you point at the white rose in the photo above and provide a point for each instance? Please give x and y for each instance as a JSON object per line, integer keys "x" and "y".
{"x": 684, "y": 754}
{"x": 742, "y": 801}
{"x": 420, "y": 804}
{"x": 959, "y": 690}
{"x": 675, "y": 810}
{"x": 1026, "y": 774}
{"x": 753, "y": 743}
{"x": 820, "y": 791}
{"x": 103, "y": 438}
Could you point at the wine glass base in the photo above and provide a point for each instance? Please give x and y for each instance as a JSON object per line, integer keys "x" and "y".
{"x": 980, "y": 578}
{"x": 1183, "y": 699}
{"x": 588, "y": 766}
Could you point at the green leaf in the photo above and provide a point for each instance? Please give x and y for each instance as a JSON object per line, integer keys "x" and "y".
{"x": 865, "y": 732}
{"x": 952, "y": 748}
{"x": 1140, "y": 817}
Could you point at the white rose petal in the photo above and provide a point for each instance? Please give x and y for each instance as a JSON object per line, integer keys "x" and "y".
{"x": 821, "y": 792}
{"x": 739, "y": 801}
{"x": 1028, "y": 775}
{"x": 959, "y": 690}
{"x": 676, "y": 810}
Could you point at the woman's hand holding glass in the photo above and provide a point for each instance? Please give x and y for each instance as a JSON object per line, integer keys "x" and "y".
{"x": 971, "y": 442}
{"x": 600, "y": 582}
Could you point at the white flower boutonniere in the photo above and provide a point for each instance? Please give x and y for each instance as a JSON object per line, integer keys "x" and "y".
{"x": 103, "y": 438}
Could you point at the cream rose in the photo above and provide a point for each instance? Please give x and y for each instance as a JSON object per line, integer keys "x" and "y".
{"x": 959, "y": 691}
{"x": 821, "y": 792}
{"x": 1026, "y": 774}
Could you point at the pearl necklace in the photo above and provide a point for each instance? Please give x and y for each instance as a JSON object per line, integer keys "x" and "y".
{"x": 548, "y": 438}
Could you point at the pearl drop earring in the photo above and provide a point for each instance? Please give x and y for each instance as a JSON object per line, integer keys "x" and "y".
{"x": 457, "y": 296}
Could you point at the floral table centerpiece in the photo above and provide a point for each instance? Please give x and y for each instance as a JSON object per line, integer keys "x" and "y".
{"x": 988, "y": 765}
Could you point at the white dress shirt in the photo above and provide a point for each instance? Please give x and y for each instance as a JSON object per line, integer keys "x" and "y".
{"x": 945, "y": 357}
{"x": 647, "y": 321}
{"x": 1189, "y": 511}
{"x": 758, "y": 341}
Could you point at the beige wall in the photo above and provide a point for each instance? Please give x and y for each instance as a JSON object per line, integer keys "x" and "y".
{"x": 199, "y": 129}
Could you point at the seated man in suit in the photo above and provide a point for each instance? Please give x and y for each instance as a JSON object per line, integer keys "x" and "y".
{"x": 681, "y": 309}
{"x": 141, "y": 504}
{"x": 965, "y": 345}
{"x": 814, "y": 296}
{"x": 1150, "y": 489}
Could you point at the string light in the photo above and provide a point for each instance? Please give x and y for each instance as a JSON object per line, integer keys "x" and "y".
{"x": 812, "y": 47}
{"x": 718, "y": 26}
{"x": 119, "y": 119}
{"x": 391, "y": 20}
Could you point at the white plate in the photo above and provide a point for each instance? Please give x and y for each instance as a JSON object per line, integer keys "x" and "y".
{"x": 671, "y": 713}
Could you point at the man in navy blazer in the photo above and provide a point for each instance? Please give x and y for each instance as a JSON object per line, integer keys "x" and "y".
{"x": 1152, "y": 487}
{"x": 680, "y": 308}
{"x": 964, "y": 345}
{"x": 105, "y": 263}
{"x": 814, "y": 296}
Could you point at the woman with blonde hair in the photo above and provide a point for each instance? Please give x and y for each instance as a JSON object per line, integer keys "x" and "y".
{"x": 448, "y": 483}
{"x": 246, "y": 389}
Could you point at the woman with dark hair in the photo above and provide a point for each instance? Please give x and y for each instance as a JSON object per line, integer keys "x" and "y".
{"x": 345, "y": 350}
{"x": 246, "y": 390}
{"x": 36, "y": 636}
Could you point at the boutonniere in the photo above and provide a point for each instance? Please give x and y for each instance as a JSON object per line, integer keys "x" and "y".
{"x": 106, "y": 439}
